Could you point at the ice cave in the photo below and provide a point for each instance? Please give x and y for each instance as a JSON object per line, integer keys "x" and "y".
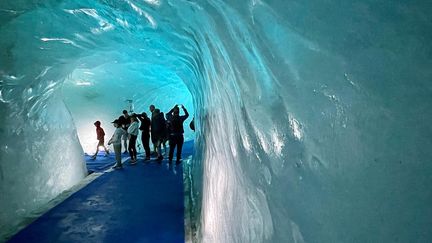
{"x": 313, "y": 118}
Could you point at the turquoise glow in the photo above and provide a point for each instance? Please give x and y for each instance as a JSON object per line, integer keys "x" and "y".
{"x": 313, "y": 116}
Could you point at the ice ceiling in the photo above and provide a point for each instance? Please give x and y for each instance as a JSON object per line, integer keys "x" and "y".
{"x": 314, "y": 116}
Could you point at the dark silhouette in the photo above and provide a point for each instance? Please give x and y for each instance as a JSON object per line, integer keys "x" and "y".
{"x": 145, "y": 133}
{"x": 133, "y": 134}
{"x": 158, "y": 130}
{"x": 192, "y": 124}
{"x": 124, "y": 121}
{"x": 152, "y": 109}
{"x": 176, "y": 131}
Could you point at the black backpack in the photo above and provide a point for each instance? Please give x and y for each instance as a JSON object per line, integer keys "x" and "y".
{"x": 192, "y": 124}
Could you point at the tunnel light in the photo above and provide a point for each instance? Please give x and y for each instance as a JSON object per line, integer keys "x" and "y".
{"x": 130, "y": 105}
{"x": 83, "y": 83}
{"x": 153, "y": 2}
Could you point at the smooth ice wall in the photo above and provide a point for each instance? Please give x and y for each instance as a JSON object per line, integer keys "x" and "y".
{"x": 313, "y": 122}
{"x": 332, "y": 144}
{"x": 40, "y": 155}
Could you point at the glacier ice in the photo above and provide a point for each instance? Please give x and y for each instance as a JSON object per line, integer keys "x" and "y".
{"x": 313, "y": 120}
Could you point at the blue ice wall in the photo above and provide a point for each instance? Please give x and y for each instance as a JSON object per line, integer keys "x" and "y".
{"x": 313, "y": 115}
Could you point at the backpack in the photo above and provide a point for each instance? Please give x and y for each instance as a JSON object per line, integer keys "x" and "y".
{"x": 192, "y": 124}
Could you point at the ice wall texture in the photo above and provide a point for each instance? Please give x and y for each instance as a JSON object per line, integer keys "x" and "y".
{"x": 39, "y": 153}
{"x": 313, "y": 115}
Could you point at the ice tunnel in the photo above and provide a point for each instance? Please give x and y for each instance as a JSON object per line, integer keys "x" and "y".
{"x": 313, "y": 117}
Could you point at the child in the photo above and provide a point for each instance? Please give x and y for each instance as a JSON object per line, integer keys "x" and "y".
{"x": 116, "y": 142}
{"x": 100, "y": 137}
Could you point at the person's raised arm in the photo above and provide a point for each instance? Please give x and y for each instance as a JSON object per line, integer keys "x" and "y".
{"x": 169, "y": 114}
{"x": 172, "y": 110}
{"x": 186, "y": 113}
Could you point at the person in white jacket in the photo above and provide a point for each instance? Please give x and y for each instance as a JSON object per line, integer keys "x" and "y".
{"x": 116, "y": 142}
{"x": 133, "y": 134}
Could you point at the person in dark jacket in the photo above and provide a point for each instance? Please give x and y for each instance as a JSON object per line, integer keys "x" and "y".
{"x": 158, "y": 131}
{"x": 176, "y": 131}
{"x": 152, "y": 113}
{"x": 145, "y": 133}
{"x": 133, "y": 135}
{"x": 124, "y": 121}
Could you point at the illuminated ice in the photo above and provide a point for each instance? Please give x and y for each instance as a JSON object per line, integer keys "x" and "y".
{"x": 313, "y": 117}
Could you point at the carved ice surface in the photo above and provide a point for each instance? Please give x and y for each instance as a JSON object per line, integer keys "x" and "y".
{"x": 313, "y": 117}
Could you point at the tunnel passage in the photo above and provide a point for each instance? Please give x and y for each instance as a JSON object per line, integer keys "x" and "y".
{"x": 314, "y": 122}
{"x": 103, "y": 92}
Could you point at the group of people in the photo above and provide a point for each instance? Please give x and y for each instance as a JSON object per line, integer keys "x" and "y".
{"x": 158, "y": 127}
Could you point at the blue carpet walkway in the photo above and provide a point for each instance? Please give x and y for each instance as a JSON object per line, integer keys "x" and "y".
{"x": 102, "y": 162}
{"x": 140, "y": 203}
